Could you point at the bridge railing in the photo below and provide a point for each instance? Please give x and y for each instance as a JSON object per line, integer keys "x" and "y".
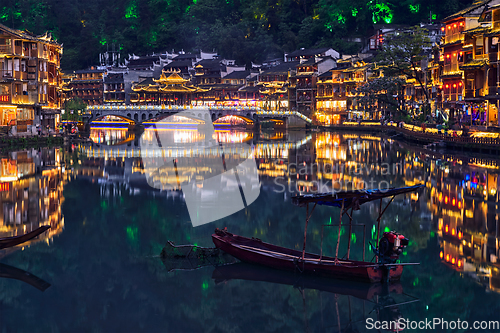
{"x": 168, "y": 107}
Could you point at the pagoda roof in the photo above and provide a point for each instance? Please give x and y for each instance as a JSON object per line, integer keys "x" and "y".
{"x": 172, "y": 79}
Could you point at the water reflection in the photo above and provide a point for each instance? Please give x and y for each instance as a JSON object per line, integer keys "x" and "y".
{"x": 113, "y": 137}
{"x": 115, "y": 225}
{"x": 460, "y": 204}
{"x": 31, "y": 194}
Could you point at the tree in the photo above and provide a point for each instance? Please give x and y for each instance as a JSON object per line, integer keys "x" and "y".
{"x": 384, "y": 92}
{"x": 72, "y": 107}
{"x": 402, "y": 54}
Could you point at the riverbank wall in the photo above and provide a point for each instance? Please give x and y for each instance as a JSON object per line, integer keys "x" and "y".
{"x": 464, "y": 144}
{"x": 14, "y": 142}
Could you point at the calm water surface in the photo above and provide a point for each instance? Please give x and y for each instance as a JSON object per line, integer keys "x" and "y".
{"x": 108, "y": 228}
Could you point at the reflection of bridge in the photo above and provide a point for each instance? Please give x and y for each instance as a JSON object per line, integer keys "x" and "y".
{"x": 279, "y": 149}
{"x": 142, "y": 113}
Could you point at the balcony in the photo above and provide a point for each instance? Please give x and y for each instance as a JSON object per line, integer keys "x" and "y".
{"x": 24, "y": 99}
{"x": 5, "y": 49}
{"x": 451, "y": 38}
{"x": 14, "y": 75}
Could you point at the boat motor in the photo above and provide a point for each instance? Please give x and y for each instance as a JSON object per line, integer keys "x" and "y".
{"x": 391, "y": 245}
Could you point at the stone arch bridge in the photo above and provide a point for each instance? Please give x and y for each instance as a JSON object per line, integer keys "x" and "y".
{"x": 139, "y": 114}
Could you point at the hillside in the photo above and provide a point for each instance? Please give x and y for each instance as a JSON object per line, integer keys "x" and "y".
{"x": 245, "y": 30}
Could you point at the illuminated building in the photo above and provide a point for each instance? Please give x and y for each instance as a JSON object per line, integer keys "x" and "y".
{"x": 456, "y": 52}
{"x": 331, "y": 103}
{"x": 114, "y": 88}
{"x": 275, "y": 89}
{"x": 354, "y": 75}
{"x": 29, "y": 79}
{"x": 88, "y": 85}
{"x": 169, "y": 89}
{"x": 305, "y": 54}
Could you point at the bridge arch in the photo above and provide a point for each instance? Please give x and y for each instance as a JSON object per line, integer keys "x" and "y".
{"x": 100, "y": 118}
{"x": 248, "y": 120}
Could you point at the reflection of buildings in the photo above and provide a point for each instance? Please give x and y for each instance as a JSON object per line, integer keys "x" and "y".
{"x": 461, "y": 196}
{"x": 123, "y": 163}
{"x": 31, "y": 194}
{"x": 464, "y": 201}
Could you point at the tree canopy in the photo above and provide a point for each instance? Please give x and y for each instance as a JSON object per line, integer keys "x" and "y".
{"x": 245, "y": 30}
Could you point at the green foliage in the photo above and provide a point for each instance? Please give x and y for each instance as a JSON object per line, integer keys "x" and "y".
{"x": 402, "y": 54}
{"x": 75, "y": 104}
{"x": 245, "y": 30}
{"x": 385, "y": 91}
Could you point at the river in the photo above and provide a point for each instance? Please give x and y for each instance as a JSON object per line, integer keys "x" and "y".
{"x": 99, "y": 268}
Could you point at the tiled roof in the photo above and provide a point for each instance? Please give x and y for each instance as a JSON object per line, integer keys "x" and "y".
{"x": 465, "y": 11}
{"x": 237, "y": 75}
{"x": 184, "y": 57}
{"x": 477, "y": 30}
{"x": 45, "y": 38}
{"x": 281, "y": 68}
{"x": 307, "y": 52}
{"x": 475, "y": 63}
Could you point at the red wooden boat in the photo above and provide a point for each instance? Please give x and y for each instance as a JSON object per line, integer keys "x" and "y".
{"x": 385, "y": 268}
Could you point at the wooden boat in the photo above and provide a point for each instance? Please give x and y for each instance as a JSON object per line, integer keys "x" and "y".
{"x": 16, "y": 240}
{"x": 385, "y": 268}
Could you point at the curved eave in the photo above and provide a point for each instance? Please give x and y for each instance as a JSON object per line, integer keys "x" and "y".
{"x": 176, "y": 89}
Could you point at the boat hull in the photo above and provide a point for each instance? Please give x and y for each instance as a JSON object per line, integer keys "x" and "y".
{"x": 257, "y": 252}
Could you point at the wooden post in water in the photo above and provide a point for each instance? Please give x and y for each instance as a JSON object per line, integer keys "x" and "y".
{"x": 364, "y": 241}
{"x": 350, "y": 235}
{"x": 340, "y": 226}
{"x": 305, "y": 231}
{"x": 378, "y": 226}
